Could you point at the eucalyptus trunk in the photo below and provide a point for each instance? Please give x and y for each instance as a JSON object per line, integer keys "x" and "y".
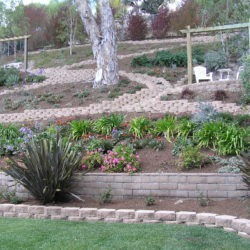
{"x": 103, "y": 41}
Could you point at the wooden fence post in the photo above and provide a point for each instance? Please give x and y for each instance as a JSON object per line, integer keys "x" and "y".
{"x": 25, "y": 53}
{"x": 189, "y": 56}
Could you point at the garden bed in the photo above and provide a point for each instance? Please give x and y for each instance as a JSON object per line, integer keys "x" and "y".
{"x": 65, "y": 95}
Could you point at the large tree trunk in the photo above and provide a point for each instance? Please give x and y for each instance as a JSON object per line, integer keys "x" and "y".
{"x": 103, "y": 41}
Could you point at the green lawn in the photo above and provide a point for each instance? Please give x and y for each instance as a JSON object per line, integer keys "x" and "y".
{"x": 45, "y": 234}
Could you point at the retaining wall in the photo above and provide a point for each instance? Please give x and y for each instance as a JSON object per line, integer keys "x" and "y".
{"x": 229, "y": 223}
{"x": 185, "y": 185}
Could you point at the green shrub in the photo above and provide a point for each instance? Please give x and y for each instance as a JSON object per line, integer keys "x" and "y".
{"x": 95, "y": 144}
{"x": 80, "y": 127}
{"x": 246, "y": 168}
{"x": 35, "y": 78}
{"x": 245, "y": 77}
{"x": 92, "y": 160}
{"x": 106, "y": 124}
{"x": 10, "y": 139}
{"x": 140, "y": 126}
{"x": 143, "y": 60}
{"x": 106, "y": 196}
{"x": 215, "y": 60}
{"x": 190, "y": 158}
{"x": 6, "y": 73}
{"x": 150, "y": 201}
{"x": 180, "y": 144}
{"x": 47, "y": 168}
{"x": 12, "y": 80}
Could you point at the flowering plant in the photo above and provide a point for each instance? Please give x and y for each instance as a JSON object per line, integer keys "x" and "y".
{"x": 121, "y": 159}
{"x": 92, "y": 159}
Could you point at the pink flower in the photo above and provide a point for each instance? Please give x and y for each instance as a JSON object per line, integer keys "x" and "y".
{"x": 103, "y": 168}
{"x": 84, "y": 166}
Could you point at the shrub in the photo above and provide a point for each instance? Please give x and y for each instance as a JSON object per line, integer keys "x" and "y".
{"x": 220, "y": 95}
{"x": 10, "y": 139}
{"x": 140, "y": 126}
{"x": 12, "y": 80}
{"x": 106, "y": 196}
{"x": 141, "y": 61}
{"x": 98, "y": 144}
{"x": 215, "y": 60}
{"x": 160, "y": 24}
{"x": 8, "y": 73}
{"x": 80, "y": 127}
{"x": 166, "y": 126}
{"x": 180, "y": 144}
{"x": 190, "y": 158}
{"x": 106, "y": 124}
{"x": 46, "y": 169}
{"x": 150, "y": 201}
{"x": 246, "y": 168}
{"x": 231, "y": 165}
{"x": 137, "y": 27}
{"x": 92, "y": 160}
{"x": 206, "y": 113}
{"x": 35, "y": 78}
{"x": 187, "y": 93}
{"x": 121, "y": 159}
{"x": 245, "y": 77}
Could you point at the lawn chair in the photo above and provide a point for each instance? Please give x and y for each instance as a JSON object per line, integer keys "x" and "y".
{"x": 201, "y": 74}
{"x": 241, "y": 68}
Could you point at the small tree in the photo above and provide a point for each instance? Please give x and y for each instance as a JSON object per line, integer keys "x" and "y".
{"x": 160, "y": 24}
{"x": 137, "y": 27}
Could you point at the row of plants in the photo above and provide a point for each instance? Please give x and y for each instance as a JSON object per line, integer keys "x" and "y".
{"x": 12, "y": 76}
{"x": 213, "y": 60}
{"x": 48, "y": 157}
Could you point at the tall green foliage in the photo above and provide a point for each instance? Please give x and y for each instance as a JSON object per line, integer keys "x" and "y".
{"x": 46, "y": 169}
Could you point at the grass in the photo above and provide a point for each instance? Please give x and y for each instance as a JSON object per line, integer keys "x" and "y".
{"x": 46, "y": 234}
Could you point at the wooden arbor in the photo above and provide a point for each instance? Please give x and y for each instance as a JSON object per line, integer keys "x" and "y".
{"x": 25, "y": 38}
{"x": 189, "y": 31}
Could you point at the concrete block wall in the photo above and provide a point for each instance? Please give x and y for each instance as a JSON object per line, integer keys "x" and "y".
{"x": 227, "y": 222}
{"x": 183, "y": 185}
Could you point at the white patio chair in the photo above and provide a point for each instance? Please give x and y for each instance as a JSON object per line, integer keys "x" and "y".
{"x": 241, "y": 68}
{"x": 201, "y": 74}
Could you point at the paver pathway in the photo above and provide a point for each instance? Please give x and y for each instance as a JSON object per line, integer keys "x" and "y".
{"x": 146, "y": 100}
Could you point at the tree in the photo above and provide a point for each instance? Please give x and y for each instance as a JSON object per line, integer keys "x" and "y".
{"x": 223, "y": 11}
{"x": 148, "y": 6}
{"x": 103, "y": 40}
{"x": 38, "y": 21}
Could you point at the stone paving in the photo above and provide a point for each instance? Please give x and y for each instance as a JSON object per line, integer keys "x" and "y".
{"x": 146, "y": 100}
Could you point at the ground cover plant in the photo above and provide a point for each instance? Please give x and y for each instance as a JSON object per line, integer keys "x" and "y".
{"x": 43, "y": 234}
{"x": 10, "y": 77}
{"x": 65, "y": 95}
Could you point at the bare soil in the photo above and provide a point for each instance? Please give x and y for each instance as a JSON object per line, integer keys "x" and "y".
{"x": 75, "y": 94}
{"x": 239, "y": 207}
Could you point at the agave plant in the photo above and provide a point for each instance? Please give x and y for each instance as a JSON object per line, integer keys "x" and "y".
{"x": 80, "y": 128}
{"x": 46, "y": 168}
{"x": 106, "y": 124}
{"x": 245, "y": 168}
